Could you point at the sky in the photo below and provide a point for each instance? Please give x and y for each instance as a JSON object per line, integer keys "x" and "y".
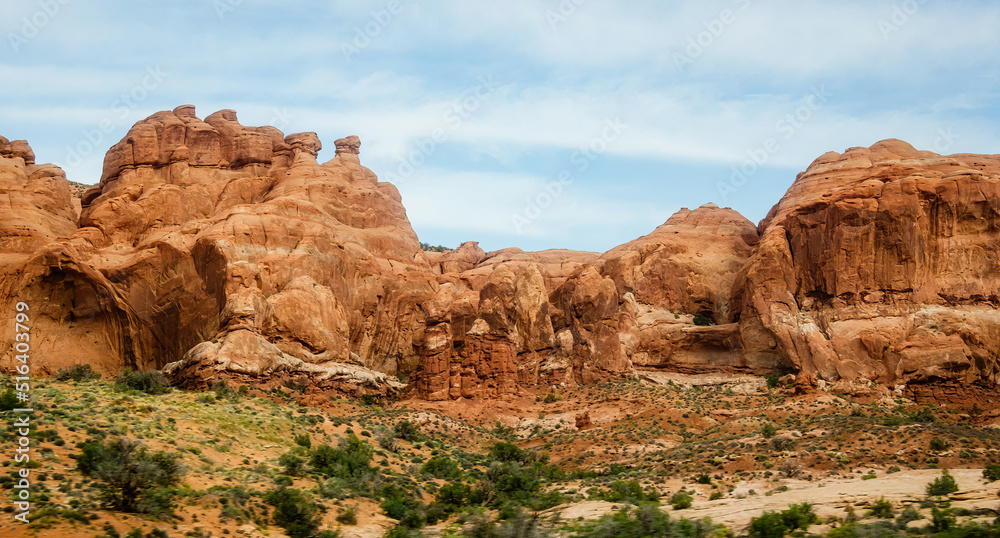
{"x": 536, "y": 124}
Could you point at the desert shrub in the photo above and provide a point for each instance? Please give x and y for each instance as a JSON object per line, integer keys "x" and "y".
{"x": 768, "y": 430}
{"x": 767, "y": 525}
{"x": 150, "y": 382}
{"x": 503, "y": 452}
{"x": 923, "y": 415}
{"x": 407, "y": 431}
{"x": 647, "y": 520}
{"x": 908, "y": 514}
{"x": 292, "y": 464}
{"x": 454, "y": 495}
{"x": 799, "y": 516}
{"x": 224, "y": 392}
{"x": 776, "y": 524}
{"x": 400, "y": 504}
{"x": 992, "y": 472}
{"x": 781, "y": 444}
{"x": 942, "y": 519}
{"x": 790, "y": 468}
{"x": 433, "y": 248}
{"x": 294, "y": 512}
{"x": 303, "y": 440}
{"x": 386, "y": 439}
{"x": 681, "y": 500}
{"x": 881, "y": 509}
{"x": 942, "y": 485}
{"x": 623, "y": 491}
{"x": 937, "y": 444}
{"x": 772, "y": 379}
{"x": 347, "y": 516}
{"x": 133, "y": 479}
{"x": 8, "y": 400}
{"x": 77, "y": 373}
{"x": 702, "y": 321}
{"x": 351, "y": 459}
{"x": 441, "y": 467}
{"x": 877, "y": 529}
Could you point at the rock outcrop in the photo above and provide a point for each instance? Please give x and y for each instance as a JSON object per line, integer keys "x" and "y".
{"x": 880, "y": 264}
{"x": 218, "y": 251}
{"x": 227, "y": 248}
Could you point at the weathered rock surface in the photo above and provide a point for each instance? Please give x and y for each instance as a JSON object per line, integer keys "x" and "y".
{"x": 880, "y": 264}
{"x": 209, "y": 230}
{"x": 219, "y": 251}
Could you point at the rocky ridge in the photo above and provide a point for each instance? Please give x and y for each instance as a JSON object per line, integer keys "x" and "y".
{"x": 219, "y": 251}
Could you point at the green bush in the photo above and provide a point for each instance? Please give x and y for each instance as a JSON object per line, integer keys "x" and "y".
{"x": 150, "y": 382}
{"x": 942, "y": 519}
{"x": 776, "y": 524}
{"x": 644, "y": 521}
{"x": 681, "y": 500}
{"x": 454, "y": 495}
{"x": 702, "y": 321}
{"x": 347, "y": 516}
{"x": 992, "y": 472}
{"x": 78, "y": 373}
{"x": 768, "y": 430}
{"x": 441, "y": 467}
{"x": 8, "y": 400}
{"x": 923, "y": 415}
{"x": 407, "y": 431}
{"x": 304, "y": 440}
{"x": 352, "y": 459}
{"x": 292, "y": 464}
{"x": 503, "y": 452}
{"x": 909, "y": 514}
{"x": 937, "y": 444}
{"x": 399, "y": 503}
{"x": 294, "y": 512}
{"x": 943, "y": 485}
{"x": 623, "y": 491}
{"x": 772, "y": 379}
{"x": 133, "y": 478}
{"x": 767, "y": 525}
{"x": 882, "y": 509}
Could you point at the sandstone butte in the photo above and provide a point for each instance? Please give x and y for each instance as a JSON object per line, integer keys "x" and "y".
{"x": 215, "y": 251}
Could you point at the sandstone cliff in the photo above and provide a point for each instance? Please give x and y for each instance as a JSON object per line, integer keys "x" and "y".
{"x": 880, "y": 264}
{"x": 220, "y": 251}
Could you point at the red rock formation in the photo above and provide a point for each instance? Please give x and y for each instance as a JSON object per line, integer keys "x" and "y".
{"x": 880, "y": 264}
{"x": 209, "y": 230}
{"x": 220, "y": 251}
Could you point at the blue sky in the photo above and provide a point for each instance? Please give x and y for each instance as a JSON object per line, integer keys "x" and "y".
{"x": 531, "y": 123}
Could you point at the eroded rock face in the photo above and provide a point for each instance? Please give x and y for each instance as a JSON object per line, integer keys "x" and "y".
{"x": 880, "y": 264}
{"x": 561, "y": 317}
{"x": 228, "y": 248}
{"x": 218, "y": 251}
